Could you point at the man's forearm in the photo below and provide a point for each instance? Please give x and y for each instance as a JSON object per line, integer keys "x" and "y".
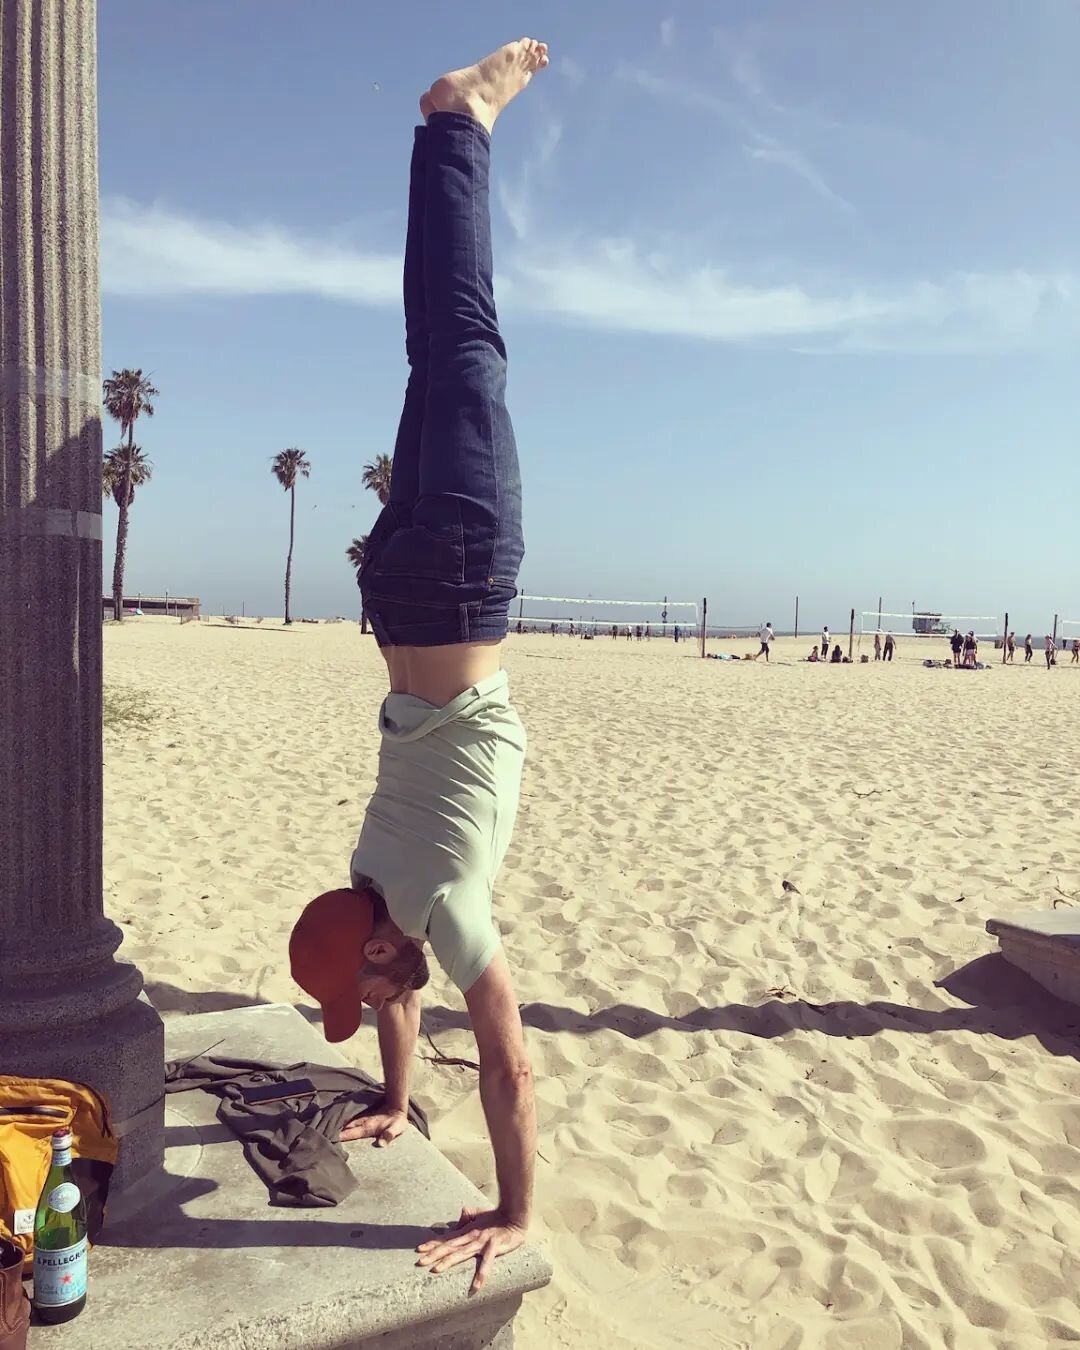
{"x": 399, "y": 1027}
{"x": 510, "y": 1110}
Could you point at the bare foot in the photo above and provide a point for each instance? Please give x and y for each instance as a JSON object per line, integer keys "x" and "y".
{"x": 483, "y": 91}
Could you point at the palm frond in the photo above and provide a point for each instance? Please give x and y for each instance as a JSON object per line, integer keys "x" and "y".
{"x": 116, "y": 464}
{"x": 288, "y": 465}
{"x": 357, "y": 551}
{"x": 127, "y": 395}
{"x": 377, "y": 476}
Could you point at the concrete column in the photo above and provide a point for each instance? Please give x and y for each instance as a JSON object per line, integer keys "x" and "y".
{"x": 68, "y": 1008}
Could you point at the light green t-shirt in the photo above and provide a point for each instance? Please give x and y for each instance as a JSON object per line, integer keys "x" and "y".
{"x": 439, "y": 823}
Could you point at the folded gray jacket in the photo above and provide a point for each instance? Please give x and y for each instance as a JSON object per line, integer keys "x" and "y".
{"x": 291, "y": 1142}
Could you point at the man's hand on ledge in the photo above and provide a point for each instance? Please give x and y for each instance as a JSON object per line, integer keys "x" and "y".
{"x": 479, "y": 1235}
{"x": 382, "y": 1126}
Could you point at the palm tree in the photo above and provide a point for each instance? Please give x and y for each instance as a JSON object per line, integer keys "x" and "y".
{"x": 287, "y": 466}
{"x": 355, "y": 554}
{"x": 124, "y": 462}
{"x": 377, "y": 477}
{"x": 126, "y": 394}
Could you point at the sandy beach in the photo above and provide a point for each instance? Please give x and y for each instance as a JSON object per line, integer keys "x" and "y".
{"x": 815, "y": 1116}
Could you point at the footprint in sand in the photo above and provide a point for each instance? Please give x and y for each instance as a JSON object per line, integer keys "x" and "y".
{"x": 940, "y": 1143}
{"x": 689, "y": 1186}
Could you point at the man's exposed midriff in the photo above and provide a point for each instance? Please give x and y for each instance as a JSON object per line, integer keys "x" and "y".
{"x": 439, "y": 674}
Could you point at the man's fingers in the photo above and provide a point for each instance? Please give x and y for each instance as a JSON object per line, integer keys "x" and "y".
{"x": 437, "y": 1250}
{"x": 459, "y": 1226}
{"x": 487, "y": 1260}
{"x": 382, "y": 1127}
{"x": 359, "y": 1129}
{"x": 455, "y": 1258}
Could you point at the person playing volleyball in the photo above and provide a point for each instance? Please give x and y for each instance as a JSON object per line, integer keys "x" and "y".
{"x": 438, "y": 576}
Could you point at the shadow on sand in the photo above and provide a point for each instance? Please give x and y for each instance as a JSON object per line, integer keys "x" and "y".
{"x": 1001, "y": 1001}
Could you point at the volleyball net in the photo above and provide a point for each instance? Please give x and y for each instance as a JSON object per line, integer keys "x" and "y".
{"x": 923, "y": 624}
{"x": 587, "y": 614}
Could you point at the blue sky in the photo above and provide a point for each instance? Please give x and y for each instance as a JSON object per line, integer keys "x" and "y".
{"x": 791, "y": 292}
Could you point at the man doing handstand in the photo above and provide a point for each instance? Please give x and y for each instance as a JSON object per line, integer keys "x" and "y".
{"x": 438, "y": 576}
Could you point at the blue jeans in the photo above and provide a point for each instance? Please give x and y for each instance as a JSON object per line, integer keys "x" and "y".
{"x": 442, "y": 562}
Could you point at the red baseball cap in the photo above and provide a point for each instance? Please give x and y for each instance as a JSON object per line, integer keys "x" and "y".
{"x": 326, "y": 951}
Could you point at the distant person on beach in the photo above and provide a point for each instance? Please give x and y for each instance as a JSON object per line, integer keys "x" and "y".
{"x": 629, "y": 635}
{"x": 439, "y": 573}
{"x": 648, "y": 633}
{"x": 837, "y": 656}
{"x": 638, "y": 632}
{"x": 1075, "y": 651}
{"x": 766, "y": 636}
{"x": 825, "y": 643}
{"x": 890, "y": 647}
{"x": 813, "y": 655}
{"x": 877, "y": 646}
{"x": 1028, "y": 649}
{"x": 1010, "y": 648}
{"x": 554, "y": 629}
{"x": 614, "y": 630}
{"x": 1050, "y": 649}
{"x": 971, "y": 649}
{"x": 676, "y": 632}
{"x": 956, "y": 642}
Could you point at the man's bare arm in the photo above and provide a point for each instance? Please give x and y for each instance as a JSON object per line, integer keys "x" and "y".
{"x": 506, "y": 1091}
{"x": 399, "y": 1027}
{"x": 506, "y": 1088}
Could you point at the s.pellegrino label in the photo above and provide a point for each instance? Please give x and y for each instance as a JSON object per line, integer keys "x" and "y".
{"x": 60, "y": 1244}
{"x": 60, "y": 1275}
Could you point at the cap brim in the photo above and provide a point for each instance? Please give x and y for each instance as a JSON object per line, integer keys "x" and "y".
{"x": 342, "y": 1017}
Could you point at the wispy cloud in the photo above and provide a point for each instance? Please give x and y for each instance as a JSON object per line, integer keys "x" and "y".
{"x": 612, "y": 286}
{"x": 667, "y": 31}
{"x": 153, "y": 251}
{"x": 572, "y": 71}
{"x": 757, "y": 144}
{"x": 615, "y": 287}
{"x": 681, "y": 92}
{"x": 744, "y": 69}
{"x": 771, "y": 151}
{"x": 516, "y": 193}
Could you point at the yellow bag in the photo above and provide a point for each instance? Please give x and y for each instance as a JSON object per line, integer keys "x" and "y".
{"x": 31, "y": 1109}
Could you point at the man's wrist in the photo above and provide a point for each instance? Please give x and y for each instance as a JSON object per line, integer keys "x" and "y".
{"x": 397, "y": 1105}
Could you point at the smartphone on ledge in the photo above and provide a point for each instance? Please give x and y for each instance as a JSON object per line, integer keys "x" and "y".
{"x": 278, "y": 1092}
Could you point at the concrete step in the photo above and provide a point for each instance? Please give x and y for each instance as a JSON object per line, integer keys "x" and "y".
{"x": 196, "y": 1259}
{"x": 1045, "y": 945}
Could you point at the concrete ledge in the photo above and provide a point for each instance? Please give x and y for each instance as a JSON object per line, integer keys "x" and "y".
{"x": 1045, "y": 946}
{"x": 195, "y": 1258}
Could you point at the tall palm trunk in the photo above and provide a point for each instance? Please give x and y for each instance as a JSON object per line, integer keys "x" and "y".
{"x": 122, "y": 532}
{"x": 288, "y": 564}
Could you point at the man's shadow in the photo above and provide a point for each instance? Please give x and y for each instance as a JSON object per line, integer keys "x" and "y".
{"x": 1002, "y": 1001}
